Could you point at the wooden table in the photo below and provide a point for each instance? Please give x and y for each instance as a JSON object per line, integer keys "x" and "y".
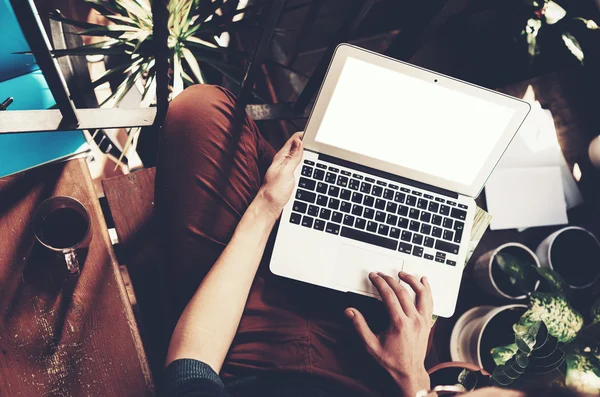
{"x": 566, "y": 94}
{"x": 61, "y": 335}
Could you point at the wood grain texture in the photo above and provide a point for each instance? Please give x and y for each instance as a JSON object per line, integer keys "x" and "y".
{"x": 131, "y": 202}
{"x": 61, "y": 335}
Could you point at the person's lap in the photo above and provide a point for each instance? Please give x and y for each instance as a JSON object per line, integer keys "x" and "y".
{"x": 211, "y": 165}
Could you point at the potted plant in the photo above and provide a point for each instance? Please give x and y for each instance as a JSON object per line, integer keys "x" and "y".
{"x": 467, "y": 375}
{"x": 546, "y": 341}
{"x": 508, "y": 272}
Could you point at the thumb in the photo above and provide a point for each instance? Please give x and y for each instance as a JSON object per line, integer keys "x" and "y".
{"x": 292, "y": 151}
{"x": 362, "y": 328}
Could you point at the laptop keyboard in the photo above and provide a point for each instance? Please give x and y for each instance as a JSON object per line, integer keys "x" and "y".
{"x": 378, "y": 212}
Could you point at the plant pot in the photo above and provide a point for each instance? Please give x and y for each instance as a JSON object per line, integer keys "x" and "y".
{"x": 479, "y": 330}
{"x": 447, "y": 373}
{"x": 492, "y": 280}
{"x": 574, "y": 253}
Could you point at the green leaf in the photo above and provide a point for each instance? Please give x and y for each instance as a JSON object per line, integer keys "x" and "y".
{"x": 193, "y": 64}
{"x": 562, "y": 320}
{"x": 595, "y": 311}
{"x": 522, "y": 359}
{"x": 500, "y": 377}
{"x": 502, "y": 354}
{"x": 553, "y": 13}
{"x": 553, "y": 280}
{"x": 524, "y": 342}
{"x": 573, "y": 46}
{"x": 517, "y": 270}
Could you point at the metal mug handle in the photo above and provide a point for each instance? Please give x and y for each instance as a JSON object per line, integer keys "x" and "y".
{"x": 72, "y": 262}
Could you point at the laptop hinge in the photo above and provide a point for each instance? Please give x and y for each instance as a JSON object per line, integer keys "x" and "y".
{"x": 387, "y": 175}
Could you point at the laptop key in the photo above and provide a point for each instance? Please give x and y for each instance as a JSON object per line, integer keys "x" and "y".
{"x": 446, "y": 246}
{"x": 425, "y": 217}
{"x": 403, "y": 223}
{"x": 325, "y": 214}
{"x": 452, "y": 203}
{"x": 425, "y": 228}
{"x": 348, "y": 220}
{"x": 295, "y": 218}
{"x": 422, "y": 204}
{"x": 458, "y": 214}
{"x": 319, "y": 224}
{"x": 405, "y": 247}
{"x": 345, "y": 207}
{"x": 399, "y": 197}
{"x": 342, "y": 181}
{"x": 411, "y": 200}
{"x": 369, "y": 200}
{"x": 383, "y": 229}
{"x": 428, "y": 196}
{"x": 307, "y": 221}
{"x": 451, "y": 263}
{"x": 365, "y": 187}
{"x": 418, "y": 251}
{"x": 354, "y": 184}
{"x": 405, "y": 190}
{"x": 322, "y": 166}
{"x": 347, "y": 173}
{"x": 369, "y": 238}
{"x": 402, "y": 210}
{"x": 392, "y": 186}
{"x": 334, "y": 203}
{"x": 444, "y": 209}
{"x": 406, "y": 235}
{"x": 414, "y": 226}
{"x": 417, "y": 193}
{"x": 357, "y": 210}
{"x": 305, "y": 195}
{"x": 370, "y": 180}
{"x": 307, "y": 171}
{"x": 440, "y": 200}
{"x": 372, "y": 226}
{"x": 322, "y": 187}
{"x": 437, "y": 231}
{"x": 308, "y": 184}
{"x": 337, "y": 217}
{"x": 440, "y": 260}
{"x": 345, "y": 194}
{"x": 433, "y": 206}
{"x": 377, "y": 191}
{"x": 458, "y": 231}
{"x": 391, "y": 207}
{"x": 448, "y": 235}
{"x": 414, "y": 213}
{"x": 380, "y": 216}
{"x": 334, "y": 169}
{"x": 299, "y": 206}
{"x": 369, "y": 213}
{"x": 436, "y": 220}
{"x": 380, "y": 204}
{"x": 330, "y": 177}
{"x": 395, "y": 232}
{"x": 447, "y": 223}
{"x": 322, "y": 200}
{"x": 463, "y": 206}
{"x": 309, "y": 162}
{"x": 388, "y": 194}
{"x": 417, "y": 239}
{"x": 333, "y": 191}
{"x": 391, "y": 220}
{"x": 360, "y": 223}
{"x": 332, "y": 228}
{"x": 319, "y": 174}
{"x": 382, "y": 183}
{"x": 313, "y": 210}
{"x": 428, "y": 256}
{"x": 357, "y": 176}
{"x": 357, "y": 197}
{"x": 428, "y": 242}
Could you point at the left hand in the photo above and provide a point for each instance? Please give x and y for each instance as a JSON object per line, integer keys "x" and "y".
{"x": 279, "y": 179}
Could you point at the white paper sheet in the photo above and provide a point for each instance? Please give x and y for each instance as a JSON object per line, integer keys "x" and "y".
{"x": 526, "y": 197}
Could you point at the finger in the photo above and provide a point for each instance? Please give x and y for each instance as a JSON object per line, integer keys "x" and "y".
{"x": 424, "y": 299}
{"x": 291, "y": 148}
{"x": 363, "y": 329}
{"x": 388, "y": 296}
{"x": 406, "y": 301}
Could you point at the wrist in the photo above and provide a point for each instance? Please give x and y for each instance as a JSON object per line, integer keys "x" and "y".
{"x": 265, "y": 207}
{"x": 411, "y": 384}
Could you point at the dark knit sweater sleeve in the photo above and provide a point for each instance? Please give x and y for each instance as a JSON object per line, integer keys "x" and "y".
{"x": 191, "y": 378}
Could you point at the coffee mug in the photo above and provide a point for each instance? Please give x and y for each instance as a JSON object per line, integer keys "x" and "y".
{"x": 62, "y": 224}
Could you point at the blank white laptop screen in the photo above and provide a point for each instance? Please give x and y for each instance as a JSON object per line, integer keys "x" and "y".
{"x": 417, "y": 124}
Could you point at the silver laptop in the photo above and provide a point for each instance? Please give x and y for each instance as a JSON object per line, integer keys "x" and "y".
{"x": 394, "y": 157}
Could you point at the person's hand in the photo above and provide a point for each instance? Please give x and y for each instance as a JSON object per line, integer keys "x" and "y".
{"x": 279, "y": 179}
{"x": 400, "y": 349}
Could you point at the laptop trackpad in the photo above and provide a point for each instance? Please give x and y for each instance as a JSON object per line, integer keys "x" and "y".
{"x": 353, "y": 265}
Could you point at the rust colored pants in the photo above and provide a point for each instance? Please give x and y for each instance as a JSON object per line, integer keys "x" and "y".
{"x": 211, "y": 165}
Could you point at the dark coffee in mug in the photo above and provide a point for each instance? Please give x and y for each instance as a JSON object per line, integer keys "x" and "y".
{"x": 63, "y": 228}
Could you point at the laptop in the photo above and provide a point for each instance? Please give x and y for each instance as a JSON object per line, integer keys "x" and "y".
{"x": 394, "y": 157}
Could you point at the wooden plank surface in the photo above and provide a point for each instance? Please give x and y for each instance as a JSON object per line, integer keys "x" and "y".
{"x": 131, "y": 202}
{"x": 61, "y": 335}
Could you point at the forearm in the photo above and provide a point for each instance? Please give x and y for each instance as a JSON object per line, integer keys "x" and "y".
{"x": 209, "y": 322}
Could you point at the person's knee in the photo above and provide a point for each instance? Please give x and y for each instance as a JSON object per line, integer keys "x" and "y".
{"x": 198, "y": 104}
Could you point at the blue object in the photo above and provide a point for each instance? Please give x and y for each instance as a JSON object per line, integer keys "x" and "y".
{"x": 21, "y": 78}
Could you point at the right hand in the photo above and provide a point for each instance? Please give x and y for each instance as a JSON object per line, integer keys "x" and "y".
{"x": 400, "y": 349}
